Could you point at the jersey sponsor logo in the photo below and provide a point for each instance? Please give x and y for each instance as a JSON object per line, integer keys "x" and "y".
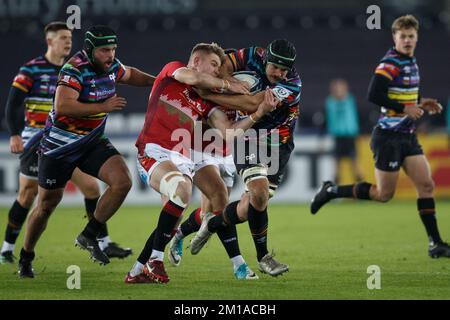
{"x": 281, "y": 93}
{"x": 66, "y": 79}
{"x": 112, "y": 77}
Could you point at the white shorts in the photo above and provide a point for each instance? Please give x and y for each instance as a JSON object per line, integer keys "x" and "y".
{"x": 224, "y": 164}
{"x": 154, "y": 155}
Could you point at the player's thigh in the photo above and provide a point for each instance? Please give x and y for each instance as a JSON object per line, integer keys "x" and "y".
{"x": 104, "y": 162}
{"x": 87, "y": 184}
{"x": 418, "y": 170}
{"x": 210, "y": 183}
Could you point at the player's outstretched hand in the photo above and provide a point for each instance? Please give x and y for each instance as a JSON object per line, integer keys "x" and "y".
{"x": 269, "y": 103}
{"x": 414, "y": 112}
{"x": 114, "y": 103}
{"x": 240, "y": 87}
{"x": 16, "y": 144}
{"x": 432, "y": 106}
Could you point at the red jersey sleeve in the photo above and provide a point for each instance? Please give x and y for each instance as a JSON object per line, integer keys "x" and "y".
{"x": 171, "y": 68}
{"x": 24, "y": 79}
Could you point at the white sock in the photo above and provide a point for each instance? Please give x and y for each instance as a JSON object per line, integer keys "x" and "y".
{"x": 179, "y": 234}
{"x": 137, "y": 269}
{"x": 103, "y": 242}
{"x": 8, "y": 246}
{"x": 157, "y": 255}
{"x": 237, "y": 261}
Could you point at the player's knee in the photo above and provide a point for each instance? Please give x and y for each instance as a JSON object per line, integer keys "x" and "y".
{"x": 386, "y": 196}
{"x": 91, "y": 189}
{"x": 259, "y": 197}
{"x": 122, "y": 184}
{"x": 176, "y": 188}
{"x": 26, "y": 195}
{"x": 48, "y": 205}
{"x": 427, "y": 187}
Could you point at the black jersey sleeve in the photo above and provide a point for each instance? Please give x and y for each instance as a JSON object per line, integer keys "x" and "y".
{"x": 14, "y": 111}
{"x": 377, "y": 94}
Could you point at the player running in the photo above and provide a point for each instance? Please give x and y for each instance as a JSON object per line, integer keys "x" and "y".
{"x": 275, "y": 67}
{"x": 164, "y": 144}
{"x": 395, "y": 88}
{"x": 74, "y": 138}
{"x": 34, "y": 87}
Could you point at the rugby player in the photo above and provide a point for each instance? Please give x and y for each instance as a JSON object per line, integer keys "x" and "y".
{"x": 164, "y": 144}
{"x": 74, "y": 138}
{"x": 34, "y": 87}
{"x": 395, "y": 88}
{"x": 275, "y": 67}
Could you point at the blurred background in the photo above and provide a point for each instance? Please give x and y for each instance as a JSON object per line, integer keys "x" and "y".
{"x": 332, "y": 42}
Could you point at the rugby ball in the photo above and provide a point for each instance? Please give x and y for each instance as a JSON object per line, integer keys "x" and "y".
{"x": 252, "y": 78}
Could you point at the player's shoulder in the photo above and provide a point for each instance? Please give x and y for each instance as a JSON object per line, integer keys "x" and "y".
{"x": 174, "y": 64}
{"x": 40, "y": 60}
{"x": 392, "y": 57}
{"x": 77, "y": 62}
{"x": 34, "y": 65}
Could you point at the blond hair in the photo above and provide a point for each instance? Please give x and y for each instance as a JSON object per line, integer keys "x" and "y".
{"x": 405, "y": 22}
{"x": 209, "y": 48}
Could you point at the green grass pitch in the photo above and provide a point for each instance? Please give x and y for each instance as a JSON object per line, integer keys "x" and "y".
{"x": 328, "y": 255}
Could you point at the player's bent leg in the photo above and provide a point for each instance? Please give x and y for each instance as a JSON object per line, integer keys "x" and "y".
{"x": 210, "y": 183}
{"x": 114, "y": 172}
{"x": 383, "y": 191}
{"x": 37, "y": 222}
{"x": 177, "y": 187}
{"x": 386, "y": 183}
{"x": 89, "y": 186}
{"x": 418, "y": 170}
{"x": 17, "y": 216}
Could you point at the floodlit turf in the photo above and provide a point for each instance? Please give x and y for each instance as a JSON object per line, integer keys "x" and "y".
{"x": 328, "y": 255}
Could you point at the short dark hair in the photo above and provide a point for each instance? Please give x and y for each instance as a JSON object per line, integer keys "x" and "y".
{"x": 405, "y": 22}
{"x": 55, "y": 27}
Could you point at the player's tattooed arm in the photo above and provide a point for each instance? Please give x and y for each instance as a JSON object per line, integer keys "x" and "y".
{"x": 67, "y": 104}
{"x": 205, "y": 81}
{"x": 230, "y": 130}
{"x": 137, "y": 78}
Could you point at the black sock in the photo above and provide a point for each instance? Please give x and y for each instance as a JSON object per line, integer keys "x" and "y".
{"x": 258, "y": 222}
{"x": 229, "y": 217}
{"x": 228, "y": 237}
{"x": 92, "y": 229}
{"x": 90, "y": 205}
{"x": 427, "y": 214}
{"x": 16, "y": 217}
{"x": 358, "y": 191}
{"x": 191, "y": 225}
{"x": 26, "y": 256}
{"x": 147, "y": 251}
{"x": 167, "y": 221}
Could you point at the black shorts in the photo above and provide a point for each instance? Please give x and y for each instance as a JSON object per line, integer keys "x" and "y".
{"x": 391, "y": 148}
{"x": 54, "y": 173}
{"x": 29, "y": 161}
{"x": 252, "y": 158}
{"x": 344, "y": 147}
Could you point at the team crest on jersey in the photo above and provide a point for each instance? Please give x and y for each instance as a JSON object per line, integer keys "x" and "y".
{"x": 281, "y": 93}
